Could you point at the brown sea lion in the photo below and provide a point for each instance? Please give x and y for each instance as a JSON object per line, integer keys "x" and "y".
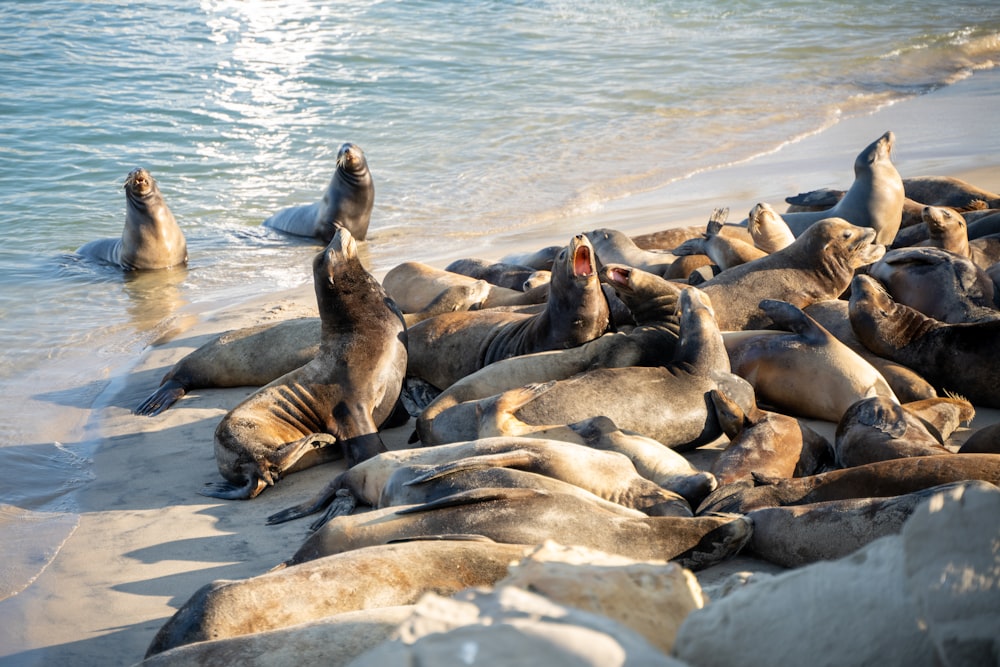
{"x": 527, "y": 516}
{"x": 881, "y": 479}
{"x": 151, "y": 239}
{"x": 415, "y": 285}
{"x": 805, "y": 370}
{"x": 984, "y": 440}
{"x": 668, "y": 403}
{"x": 959, "y": 358}
{"x": 797, "y": 535}
{"x": 614, "y": 247}
{"x": 906, "y": 383}
{"x": 724, "y": 251}
{"x": 381, "y": 576}
{"x": 879, "y": 429}
{"x": 347, "y": 202}
{"x": 948, "y": 191}
{"x": 874, "y": 200}
{"x": 501, "y": 274}
{"x": 607, "y": 474}
{"x": 767, "y": 443}
{"x": 768, "y": 230}
{"x": 819, "y": 265}
{"x": 339, "y": 397}
{"x": 446, "y": 348}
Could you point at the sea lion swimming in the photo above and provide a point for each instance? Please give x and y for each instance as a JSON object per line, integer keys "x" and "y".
{"x": 818, "y": 265}
{"x": 151, "y": 239}
{"x": 339, "y": 397}
{"x": 347, "y": 202}
{"x": 446, "y": 348}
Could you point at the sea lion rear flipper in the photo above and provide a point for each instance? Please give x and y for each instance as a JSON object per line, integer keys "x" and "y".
{"x": 227, "y": 491}
{"x": 161, "y": 399}
{"x": 716, "y": 221}
{"x": 473, "y": 496}
{"x": 518, "y": 458}
{"x": 333, "y": 491}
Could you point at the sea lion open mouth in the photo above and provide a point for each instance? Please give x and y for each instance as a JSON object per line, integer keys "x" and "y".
{"x": 583, "y": 261}
{"x": 618, "y": 275}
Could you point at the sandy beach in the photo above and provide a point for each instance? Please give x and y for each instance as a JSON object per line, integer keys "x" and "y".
{"x": 146, "y": 540}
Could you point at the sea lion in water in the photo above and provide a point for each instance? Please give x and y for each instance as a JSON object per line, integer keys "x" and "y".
{"x": 875, "y": 198}
{"x": 151, "y": 239}
{"x": 881, "y": 479}
{"x": 527, "y": 516}
{"x": 446, "y": 348}
{"x": 767, "y": 443}
{"x": 381, "y": 576}
{"x": 347, "y": 202}
{"x": 339, "y": 397}
{"x": 806, "y": 371}
{"x": 938, "y": 283}
{"x": 960, "y": 358}
{"x": 818, "y": 265}
{"x": 607, "y": 474}
{"x": 668, "y": 403}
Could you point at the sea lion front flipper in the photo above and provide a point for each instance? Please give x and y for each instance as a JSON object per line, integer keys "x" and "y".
{"x": 342, "y": 504}
{"x": 473, "y": 496}
{"x": 519, "y": 458}
{"x": 330, "y": 492}
{"x": 161, "y": 399}
{"x": 822, "y": 198}
{"x": 227, "y": 491}
{"x": 790, "y": 317}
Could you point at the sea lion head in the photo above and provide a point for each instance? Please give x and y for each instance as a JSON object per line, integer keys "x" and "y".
{"x": 330, "y": 261}
{"x": 878, "y": 151}
{"x": 139, "y": 182}
{"x": 351, "y": 159}
{"x": 838, "y": 241}
{"x": 941, "y": 219}
{"x": 768, "y": 230}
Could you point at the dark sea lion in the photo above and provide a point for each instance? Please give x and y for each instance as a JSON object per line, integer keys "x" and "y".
{"x": 818, "y": 265}
{"x": 767, "y": 229}
{"x": 526, "y": 516}
{"x": 414, "y": 286}
{"x": 541, "y": 259}
{"x": 767, "y": 443}
{"x": 906, "y": 383}
{"x": 984, "y": 226}
{"x": 607, "y": 474}
{"x": 957, "y": 358}
{"x": 724, "y": 251}
{"x": 984, "y": 440}
{"x": 938, "y": 283}
{"x": 802, "y": 534}
{"x": 670, "y": 238}
{"x": 874, "y": 200}
{"x": 381, "y": 576}
{"x": 446, "y": 348}
{"x": 347, "y": 202}
{"x": 803, "y": 370}
{"x": 247, "y": 357}
{"x": 501, "y": 274}
{"x": 151, "y": 239}
{"x": 339, "y": 397}
{"x": 881, "y": 479}
{"x": 615, "y": 247}
{"x": 668, "y": 403}
{"x": 947, "y": 191}
{"x": 879, "y": 429}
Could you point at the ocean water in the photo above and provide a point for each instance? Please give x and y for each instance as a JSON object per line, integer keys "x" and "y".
{"x": 479, "y": 119}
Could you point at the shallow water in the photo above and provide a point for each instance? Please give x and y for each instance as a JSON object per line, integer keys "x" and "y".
{"x": 479, "y": 119}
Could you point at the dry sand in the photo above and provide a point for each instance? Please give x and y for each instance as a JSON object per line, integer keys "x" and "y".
{"x": 147, "y": 540}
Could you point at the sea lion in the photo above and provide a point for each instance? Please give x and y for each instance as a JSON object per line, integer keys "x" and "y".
{"x": 607, "y": 474}
{"x": 347, "y": 202}
{"x": 501, "y": 274}
{"x": 668, "y": 403}
{"x": 381, "y": 576}
{"x": 446, "y": 348}
{"x": 151, "y": 239}
{"x": 768, "y": 230}
{"x": 938, "y": 283}
{"x": 801, "y": 534}
{"x": 881, "y": 479}
{"x": 875, "y": 198}
{"x": 246, "y": 357}
{"x": 414, "y": 286}
{"x": 339, "y": 397}
{"x": 960, "y": 358}
{"x": 878, "y": 429}
{"x": 767, "y": 443}
{"x": 906, "y": 383}
{"x": 984, "y": 440}
{"x": 615, "y": 247}
{"x": 805, "y": 371}
{"x": 948, "y": 191}
{"x": 527, "y": 516}
{"x": 818, "y": 265}
{"x": 541, "y": 259}
{"x": 724, "y": 251}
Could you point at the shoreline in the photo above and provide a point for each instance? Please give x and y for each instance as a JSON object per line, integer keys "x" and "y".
{"x": 146, "y": 540}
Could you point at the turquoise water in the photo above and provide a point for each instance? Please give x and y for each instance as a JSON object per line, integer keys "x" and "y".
{"x": 479, "y": 119}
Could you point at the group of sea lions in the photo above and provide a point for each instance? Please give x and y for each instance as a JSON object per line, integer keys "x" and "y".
{"x": 556, "y": 393}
